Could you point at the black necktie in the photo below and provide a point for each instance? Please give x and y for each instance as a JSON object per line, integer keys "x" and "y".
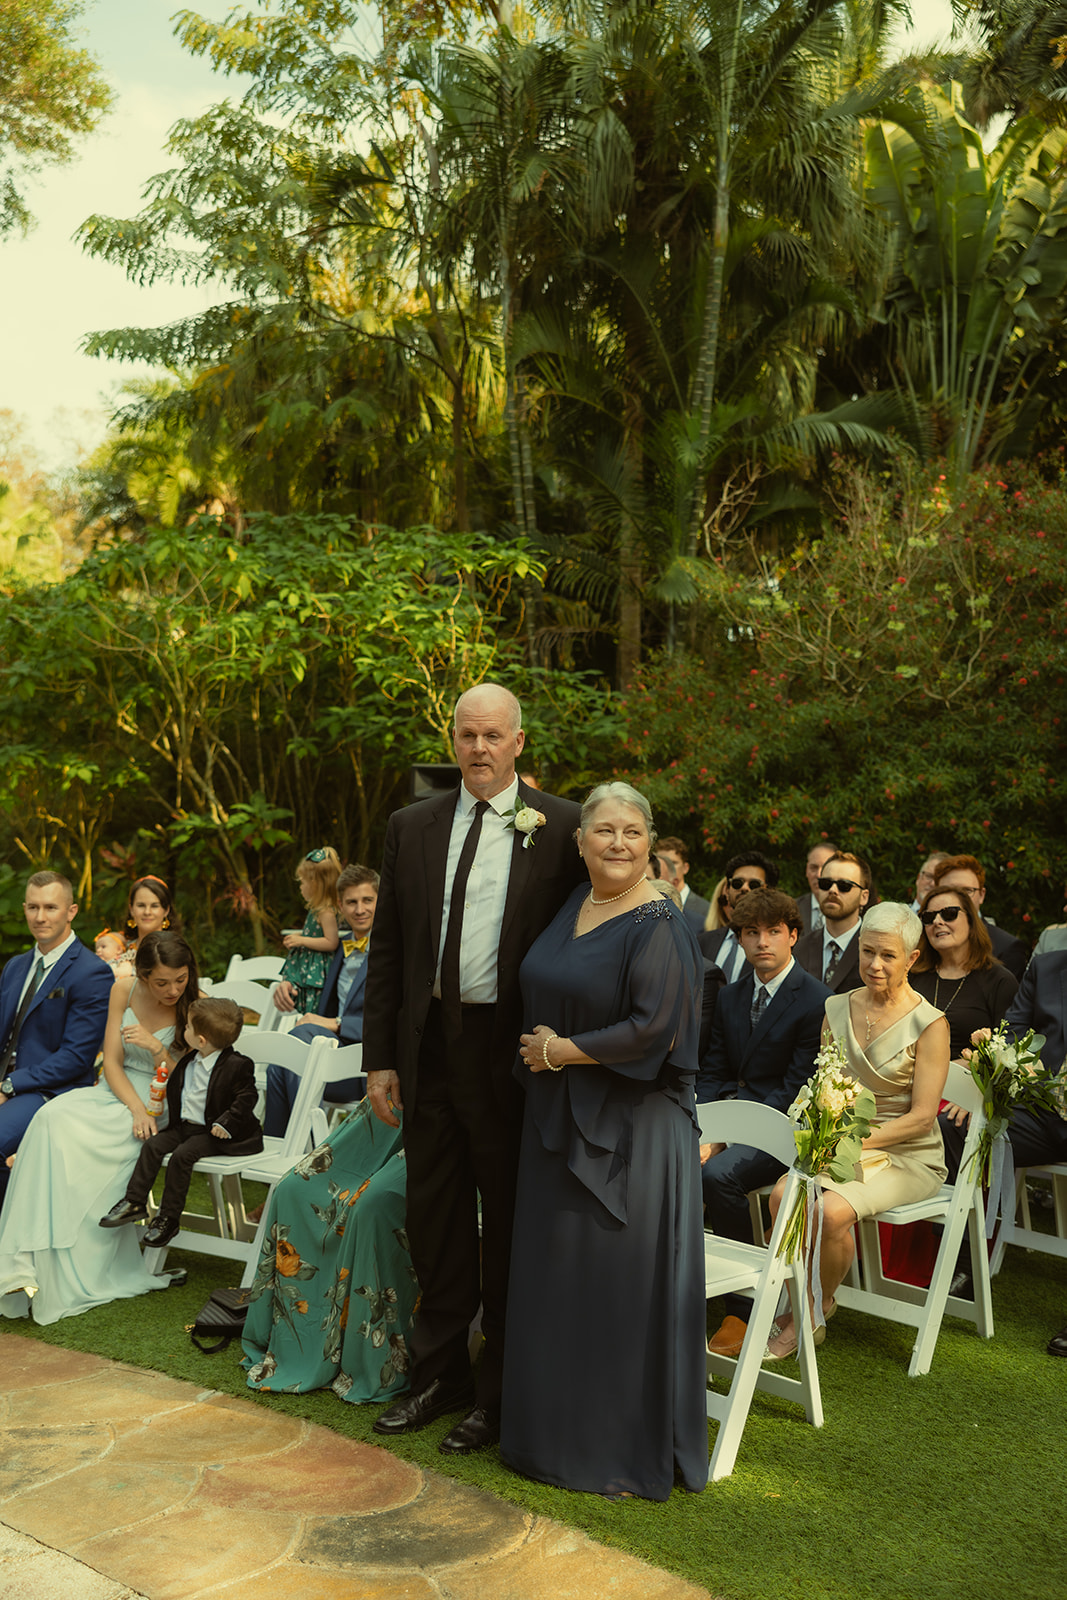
{"x": 13, "y": 1038}
{"x": 831, "y": 966}
{"x": 451, "y": 1015}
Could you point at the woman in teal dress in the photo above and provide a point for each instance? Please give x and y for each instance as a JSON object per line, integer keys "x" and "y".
{"x": 334, "y": 1295}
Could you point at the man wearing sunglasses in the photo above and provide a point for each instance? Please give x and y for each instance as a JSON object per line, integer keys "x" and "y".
{"x": 743, "y": 873}
{"x": 831, "y": 953}
{"x": 968, "y": 874}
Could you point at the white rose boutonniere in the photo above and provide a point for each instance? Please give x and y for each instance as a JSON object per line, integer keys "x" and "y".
{"x": 525, "y": 820}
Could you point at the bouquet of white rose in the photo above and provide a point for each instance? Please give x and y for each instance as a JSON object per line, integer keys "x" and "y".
{"x": 1011, "y": 1077}
{"x": 832, "y": 1116}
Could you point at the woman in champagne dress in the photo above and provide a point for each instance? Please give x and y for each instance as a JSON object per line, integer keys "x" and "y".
{"x": 897, "y": 1045}
{"x": 80, "y": 1149}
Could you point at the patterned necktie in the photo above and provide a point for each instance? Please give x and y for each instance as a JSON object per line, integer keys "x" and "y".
{"x": 831, "y": 965}
{"x": 13, "y": 1037}
{"x": 451, "y": 1013}
{"x": 759, "y": 1000}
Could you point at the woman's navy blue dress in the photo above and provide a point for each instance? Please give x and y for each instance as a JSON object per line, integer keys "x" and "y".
{"x": 604, "y": 1360}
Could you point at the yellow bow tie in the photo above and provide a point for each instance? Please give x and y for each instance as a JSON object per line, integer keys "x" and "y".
{"x": 356, "y": 944}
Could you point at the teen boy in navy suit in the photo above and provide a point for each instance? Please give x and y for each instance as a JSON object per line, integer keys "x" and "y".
{"x": 53, "y": 1009}
{"x": 763, "y": 1045}
{"x": 340, "y": 1013}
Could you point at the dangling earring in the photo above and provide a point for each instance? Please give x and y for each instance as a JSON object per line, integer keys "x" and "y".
{"x": 166, "y": 922}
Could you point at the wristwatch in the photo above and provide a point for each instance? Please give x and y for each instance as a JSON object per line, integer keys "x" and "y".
{"x": 7, "y": 1087}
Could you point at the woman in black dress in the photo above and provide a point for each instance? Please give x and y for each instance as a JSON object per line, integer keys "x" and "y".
{"x": 956, "y": 970}
{"x": 604, "y": 1367}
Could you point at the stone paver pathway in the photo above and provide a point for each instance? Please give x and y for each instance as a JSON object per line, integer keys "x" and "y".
{"x": 117, "y": 1483}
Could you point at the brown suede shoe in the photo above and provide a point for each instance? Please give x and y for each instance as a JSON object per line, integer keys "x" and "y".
{"x": 729, "y": 1338}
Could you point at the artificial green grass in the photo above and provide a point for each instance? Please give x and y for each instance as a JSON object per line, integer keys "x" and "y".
{"x": 948, "y": 1487}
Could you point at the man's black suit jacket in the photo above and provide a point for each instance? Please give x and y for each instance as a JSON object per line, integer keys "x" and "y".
{"x": 231, "y": 1094}
{"x": 1007, "y": 949}
{"x": 1041, "y": 1004}
{"x": 407, "y": 930}
{"x": 767, "y": 1063}
{"x": 808, "y": 953}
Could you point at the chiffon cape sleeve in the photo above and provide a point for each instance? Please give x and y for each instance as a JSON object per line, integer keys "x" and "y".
{"x": 643, "y": 1037}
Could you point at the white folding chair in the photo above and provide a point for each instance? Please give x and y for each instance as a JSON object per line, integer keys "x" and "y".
{"x": 959, "y": 1208}
{"x": 259, "y": 969}
{"x": 731, "y": 1267}
{"x": 336, "y": 1065}
{"x": 313, "y": 1064}
{"x": 1018, "y": 1228}
{"x": 249, "y": 996}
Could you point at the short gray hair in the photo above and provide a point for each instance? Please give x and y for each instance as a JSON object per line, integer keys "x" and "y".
{"x": 892, "y": 916}
{"x": 624, "y": 794}
{"x": 514, "y": 708}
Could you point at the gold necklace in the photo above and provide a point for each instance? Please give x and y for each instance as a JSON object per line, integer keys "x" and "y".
{"x": 952, "y": 996}
{"x": 867, "y": 1014}
{"x": 593, "y": 901}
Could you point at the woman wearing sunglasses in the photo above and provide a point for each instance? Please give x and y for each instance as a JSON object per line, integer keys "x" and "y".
{"x": 956, "y": 970}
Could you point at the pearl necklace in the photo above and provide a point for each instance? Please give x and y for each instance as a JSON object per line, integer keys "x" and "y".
{"x": 593, "y": 901}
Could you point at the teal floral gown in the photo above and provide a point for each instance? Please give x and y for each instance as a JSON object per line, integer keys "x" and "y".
{"x": 306, "y": 969}
{"x": 334, "y": 1295}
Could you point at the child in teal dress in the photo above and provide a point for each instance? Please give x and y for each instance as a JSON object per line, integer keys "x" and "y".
{"x": 311, "y": 950}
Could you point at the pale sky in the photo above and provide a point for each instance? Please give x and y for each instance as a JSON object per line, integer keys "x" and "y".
{"x": 52, "y": 294}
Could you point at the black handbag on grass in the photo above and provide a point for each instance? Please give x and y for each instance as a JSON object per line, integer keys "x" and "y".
{"x": 220, "y": 1320}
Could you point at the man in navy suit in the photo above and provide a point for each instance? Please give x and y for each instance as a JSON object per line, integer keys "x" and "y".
{"x": 763, "y": 1045}
{"x": 340, "y": 1013}
{"x": 53, "y": 1008}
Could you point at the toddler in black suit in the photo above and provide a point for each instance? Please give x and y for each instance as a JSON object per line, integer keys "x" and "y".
{"x": 211, "y": 1098}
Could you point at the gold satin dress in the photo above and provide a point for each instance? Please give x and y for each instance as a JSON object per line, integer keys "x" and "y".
{"x": 914, "y": 1170}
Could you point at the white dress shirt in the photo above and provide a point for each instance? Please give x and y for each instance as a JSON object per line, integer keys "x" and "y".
{"x": 194, "y": 1089}
{"x": 731, "y": 959}
{"x": 49, "y": 962}
{"x": 773, "y": 985}
{"x": 487, "y": 891}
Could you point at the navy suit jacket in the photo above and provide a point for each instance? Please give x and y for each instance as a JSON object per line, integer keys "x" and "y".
{"x": 1041, "y": 1004}
{"x": 767, "y": 1063}
{"x": 64, "y": 1026}
{"x": 695, "y": 911}
{"x": 1008, "y": 949}
{"x": 351, "y": 1028}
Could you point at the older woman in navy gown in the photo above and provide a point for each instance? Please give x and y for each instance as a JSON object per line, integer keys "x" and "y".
{"x": 604, "y": 1368}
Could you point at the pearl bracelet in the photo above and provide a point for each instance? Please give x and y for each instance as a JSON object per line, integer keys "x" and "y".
{"x": 544, "y": 1053}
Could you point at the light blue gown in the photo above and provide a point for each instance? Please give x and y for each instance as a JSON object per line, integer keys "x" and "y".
{"x": 73, "y": 1165}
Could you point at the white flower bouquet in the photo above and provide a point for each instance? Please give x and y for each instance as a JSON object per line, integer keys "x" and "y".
{"x": 832, "y": 1117}
{"x": 1011, "y": 1077}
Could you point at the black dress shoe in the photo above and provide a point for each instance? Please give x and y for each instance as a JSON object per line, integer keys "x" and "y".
{"x": 1057, "y": 1345}
{"x": 962, "y": 1286}
{"x": 160, "y": 1232}
{"x": 478, "y": 1430}
{"x": 416, "y": 1410}
{"x": 124, "y": 1211}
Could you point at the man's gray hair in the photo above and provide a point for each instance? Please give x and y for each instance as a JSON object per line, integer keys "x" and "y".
{"x": 622, "y": 793}
{"x": 891, "y": 916}
{"x": 514, "y": 708}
